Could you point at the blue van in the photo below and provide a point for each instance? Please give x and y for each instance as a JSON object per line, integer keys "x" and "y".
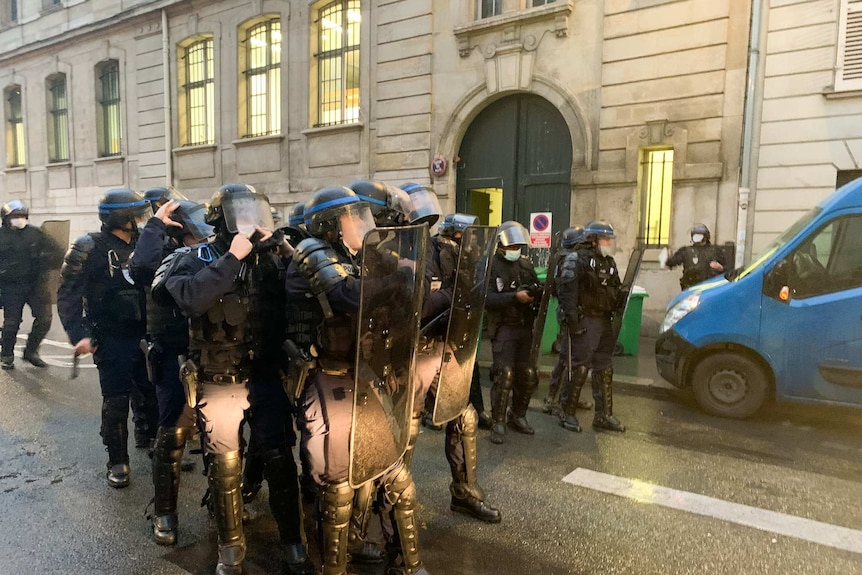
{"x": 787, "y": 326}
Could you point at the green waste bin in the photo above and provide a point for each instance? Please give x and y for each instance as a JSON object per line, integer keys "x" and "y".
{"x": 552, "y": 328}
{"x": 631, "y": 329}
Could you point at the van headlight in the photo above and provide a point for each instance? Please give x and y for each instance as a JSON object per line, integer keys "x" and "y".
{"x": 679, "y": 310}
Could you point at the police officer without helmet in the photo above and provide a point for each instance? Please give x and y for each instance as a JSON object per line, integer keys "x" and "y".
{"x": 700, "y": 261}
{"x": 103, "y": 313}
{"x": 26, "y": 255}
{"x": 588, "y": 290}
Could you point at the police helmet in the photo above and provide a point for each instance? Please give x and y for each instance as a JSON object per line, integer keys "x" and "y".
{"x": 571, "y": 236}
{"x": 239, "y": 208}
{"x": 598, "y": 229}
{"x": 160, "y": 196}
{"x": 276, "y": 216}
{"x": 390, "y": 206}
{"x": 192, "y": 216}
{"x": 700, "y": 229}
{"x": 336, "y": 213}
{"x": 512, "y": 233}
{"x": 121, "y": 206}
{"x": 456, "y": 223}
{"x": 14, "y": 209}
{"x": 296, "y": 215}
{"x": 426, "y": 208}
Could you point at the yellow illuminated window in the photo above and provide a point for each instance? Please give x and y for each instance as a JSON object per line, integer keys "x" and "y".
{"x": 338, "y": 63}
{"x": 199, "y": 94}
{"x": 655, "y": 182}
{"x": 109, "y": 129}
{"x": 58, "y": 119}
{"x": 15, "y": 139}
{"x": 263, "y": 78}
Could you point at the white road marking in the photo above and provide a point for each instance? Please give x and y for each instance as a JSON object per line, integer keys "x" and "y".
{"x": 806, "y": 529}
{"x": 64, "y": 360}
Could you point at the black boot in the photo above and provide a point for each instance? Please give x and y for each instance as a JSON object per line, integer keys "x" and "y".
{"x": 115, "y": 436}
{"x": 279, "y": 468}
{"x": 31, "y": 354}
{"x": 225, "y": 482}
{"x": 504, "y": 380}
{"x": 167, "y": 456}
{"x": 552, "y": 402}
{"x": 521, "y": 395}
{"x": 604, "y": 418}
{"x": 579, "y": 377}
{"x": 485, "y": 420}
{"x": 467, "y": 496}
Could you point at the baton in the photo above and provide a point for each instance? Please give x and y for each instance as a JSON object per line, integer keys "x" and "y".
{"x": 76, "y": 357}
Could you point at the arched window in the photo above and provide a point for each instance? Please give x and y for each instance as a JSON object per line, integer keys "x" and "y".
{"x": 15, "y": 137}
{"x": 197, "y": 93}
{"x": 338, "y": 41}
{"x": 260, "y": 59}
{"x": 58, "y": 118}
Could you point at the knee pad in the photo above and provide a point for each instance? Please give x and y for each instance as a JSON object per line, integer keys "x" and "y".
{"x": 400, "y": 490}
{"x": 468, "y": 421}
{"x": 336, "y": 501}
{"x": 505, "y": 377}
{"x": 530, "y": 377}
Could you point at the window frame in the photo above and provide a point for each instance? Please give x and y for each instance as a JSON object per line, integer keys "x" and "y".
{"x": 827, "y": 283}
{"x": 645, "y": 178}
{"x": 58, "y": 119}
{"x": 271, "y": 71}
{"x": 109, "y": 113}
{"x": 16, "y": 134}
{"x": 845, "y": 9}
{"x": 347, "y": 53}
{"x": 497, "y": 9}
{"x": 188, "y": 87}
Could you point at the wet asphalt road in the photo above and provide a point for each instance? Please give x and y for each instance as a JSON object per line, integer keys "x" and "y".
{"x": 57, "y": 515}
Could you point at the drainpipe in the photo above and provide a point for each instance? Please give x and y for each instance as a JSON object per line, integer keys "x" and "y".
{"x": 166, "y": 66}
{"x": 746, "y": 186}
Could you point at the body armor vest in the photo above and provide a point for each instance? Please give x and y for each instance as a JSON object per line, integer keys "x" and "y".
{"x": 510, "y": 277}
{"x": 114, "y": 303}
{"x": 166, "y": 324}
{"x": 695, "y": 264}
{"x": 599, "y": 294}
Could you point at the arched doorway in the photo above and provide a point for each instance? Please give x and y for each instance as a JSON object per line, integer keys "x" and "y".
{"x": 515, "y": 159}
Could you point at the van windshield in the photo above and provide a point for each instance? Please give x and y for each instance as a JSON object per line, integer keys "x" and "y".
{"x": 776, "y": 245}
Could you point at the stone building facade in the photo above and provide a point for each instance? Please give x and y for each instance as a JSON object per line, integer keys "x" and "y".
{"x": 626, "y": 110}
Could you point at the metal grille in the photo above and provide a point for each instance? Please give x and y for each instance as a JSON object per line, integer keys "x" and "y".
{"x": 109, "y": 103}
{"x": 656, "y": 184}
{"x": 15, "y": 152}
{"x": 338, "y": 63}
{"x": 58, "y": 118}
{"x": 200, "y": 93}
{"x": 488, "y": 8}
{"x": 263, "y": 78}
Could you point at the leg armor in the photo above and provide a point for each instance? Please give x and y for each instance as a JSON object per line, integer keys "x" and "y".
{"x": 555, "y": 387}
{"x": 225, "y": 482}
{"x": 400, "y": 493}
{"x": 467, "y": 496}
{"x": 504, "y": 380}
{"x": 362, "y": 551}
{"x": 115, "y": 436}
{"x": 528, "y": 381}
{"x": 336, "y": 500}
{"x": 605, "y": 419}
{"x": 579, "y": 378}
{"x": 279, "y": 468}
{"x": 167, "y": 458}
{"x": 415, "y": 428}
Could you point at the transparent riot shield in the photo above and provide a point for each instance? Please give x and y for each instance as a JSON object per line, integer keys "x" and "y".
{"x": 393, "y": 264}
{"x": 544, "y": 302}
{"x": 465, "y": 322}
{"x": 58, "y": 231}
{"x": 626, "y": 291}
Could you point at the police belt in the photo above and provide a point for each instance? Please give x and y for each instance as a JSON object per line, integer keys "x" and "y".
{"x": 224, "y": 378}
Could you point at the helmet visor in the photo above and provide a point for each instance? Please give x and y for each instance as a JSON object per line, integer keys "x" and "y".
{"x": 243, "y": 212}
{"x": 142, "y": 215}
{"x": 426, "y": 207}
{"x": 354, "y": 221}
{"x": 193, "y": 221}
{"x": 399, "y": 201}
{"x": 515, "y": 235}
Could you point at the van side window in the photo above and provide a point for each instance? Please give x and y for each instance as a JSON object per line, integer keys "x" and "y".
{"x": 830, "y": 261}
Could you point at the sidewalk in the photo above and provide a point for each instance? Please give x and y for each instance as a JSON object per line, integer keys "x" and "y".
{"x": 636, "y": 370}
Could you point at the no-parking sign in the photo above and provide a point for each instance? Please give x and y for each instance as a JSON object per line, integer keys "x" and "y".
{"x": 540, "y": 229}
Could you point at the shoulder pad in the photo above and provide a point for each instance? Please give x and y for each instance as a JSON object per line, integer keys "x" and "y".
{"x": 569, "y": 266}
{"x": 159, "y": 290}
{"x": 319, "y": 263}
{"x": 78, "y": 254}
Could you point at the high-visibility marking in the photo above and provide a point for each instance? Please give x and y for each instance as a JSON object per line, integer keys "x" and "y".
{"x": 798, "y": 527}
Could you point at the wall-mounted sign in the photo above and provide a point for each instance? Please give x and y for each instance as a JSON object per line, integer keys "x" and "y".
{"x": 439, "y": 166}
{"x": 540, "y": 229}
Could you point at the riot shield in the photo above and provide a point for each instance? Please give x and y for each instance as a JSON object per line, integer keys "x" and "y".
{"x": 542, "y": 314}
{"x": 393, "y": 264}
{"x": 465, "y": 322}
{"x": 626, "y": 291}
{"x": 58, "y": 231}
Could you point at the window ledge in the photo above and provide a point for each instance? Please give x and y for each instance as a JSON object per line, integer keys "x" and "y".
{"x": 16, "y": 169}
{"x": 59, "y": 164}
{"x": 334, "y": 129}
{"x": 559, "y": 12}
{"x": 273, "y": 138}
{"x": 192, "y": 149}
{"x": 109, "y": 159}
{"x": 830, "y": 93}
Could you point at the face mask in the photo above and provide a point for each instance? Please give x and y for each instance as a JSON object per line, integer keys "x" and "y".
{"x": 606, "y": 250}
{"x": 18, "y": 223}
{"x": 697, "y": 238}
{"x": 246, "y": 230}
{"x": 140, "y": 225}
{"x": 512, "y": 255}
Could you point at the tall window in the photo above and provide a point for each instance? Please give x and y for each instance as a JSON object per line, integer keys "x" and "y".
{"x": 13, "y": 10}
{"x": 263, "y": 78}
{"x": 338, "y": 63}
{"x": 15, "y": 139}
{"x": 848, "y": 71}
{"x": 108, "y": 123}
{"x": 656, "y": 186}
{"x": 488, "y": 8}
{"x": 58, "y": 119}
{"x": 198, "y": 91}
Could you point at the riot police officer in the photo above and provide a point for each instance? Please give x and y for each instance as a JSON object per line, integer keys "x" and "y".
{"x": 700, "y": 261}
{"x": 512, "y": 289}
{"x": 225, "y": 288}
{"x": 26, "y": 255}
{"x": 588, "y": 289}
{"x": 176, "y": 223}
{"x": 103, "y": 312}
{"x": 569, "y": 242}
{"x": 323, "y": 286}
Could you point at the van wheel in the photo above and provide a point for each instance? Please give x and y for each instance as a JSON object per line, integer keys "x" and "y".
{"x": 729, "y": 385}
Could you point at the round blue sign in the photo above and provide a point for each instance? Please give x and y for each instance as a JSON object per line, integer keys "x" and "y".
{"x": 540, "y": 223}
